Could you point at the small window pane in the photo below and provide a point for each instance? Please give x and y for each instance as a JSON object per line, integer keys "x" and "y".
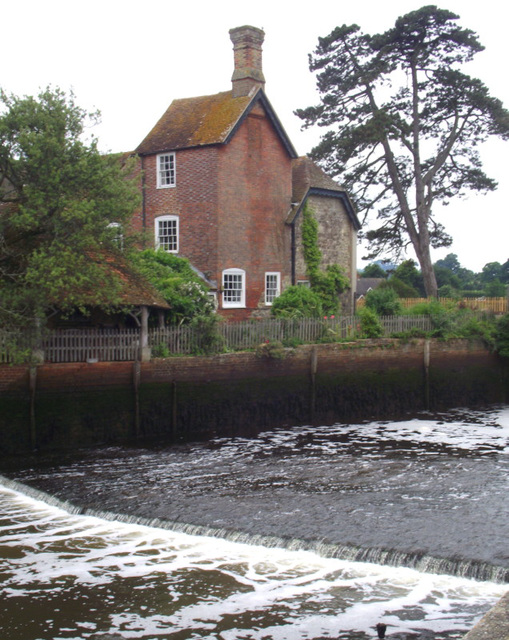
{"x": 271, "y": 287}
{"x": 166, "y": 170}
{"x": 167, "y": 234}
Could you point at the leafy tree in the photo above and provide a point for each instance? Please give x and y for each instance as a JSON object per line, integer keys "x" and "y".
{"x": 408, "y": 273}
{"x": 297, "y": 301}
{"x": 400, "y": 152}
{"x": 491, "y": 272}
{"x": 179, "y": 285}
{"x": 384, "y": 301}
{"x": 58, "y": 199}
{"x": 446, "y": 278}
{"x": 402, "y": 289}
{"x": 495, "y": 289}
{"x": 374, "y": 270}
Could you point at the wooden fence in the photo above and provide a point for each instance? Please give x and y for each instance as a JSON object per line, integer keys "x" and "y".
{"x": 249, "y": 334}
{"x": 494, "y": 305}
{"x": 89, "y": 345}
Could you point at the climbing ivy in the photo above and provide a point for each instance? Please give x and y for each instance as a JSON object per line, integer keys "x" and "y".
{"x": 326, "y": 284}
{"x": 312, "y": 253}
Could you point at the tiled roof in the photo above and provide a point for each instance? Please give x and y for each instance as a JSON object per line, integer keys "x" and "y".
{"x": 135, "y": 291}
{"x": 309, "y": 179}
{"x": 194, "y": 122}
{"x": 307, "y": 174}
{"x": 366, "y": 284}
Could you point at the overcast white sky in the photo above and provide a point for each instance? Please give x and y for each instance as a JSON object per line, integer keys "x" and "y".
{"x": 130, "y": 59}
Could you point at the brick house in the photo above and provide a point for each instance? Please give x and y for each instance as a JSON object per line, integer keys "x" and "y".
{"x": 223, "y": 186}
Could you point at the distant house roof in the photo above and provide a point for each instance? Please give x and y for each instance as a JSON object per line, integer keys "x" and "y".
{"x": 207, "y": 120}
{"x": 367, "y": 284}
{"x": 310, "y": 179}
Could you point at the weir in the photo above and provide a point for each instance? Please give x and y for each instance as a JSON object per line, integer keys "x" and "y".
{"x": 422, "y": 493}
{"x": 463, "y": 568}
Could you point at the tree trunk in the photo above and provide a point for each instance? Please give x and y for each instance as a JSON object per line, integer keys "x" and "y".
{"x": 427, "y": 271}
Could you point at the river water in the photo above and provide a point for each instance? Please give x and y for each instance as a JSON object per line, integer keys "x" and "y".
{"x": 151, "y": 542}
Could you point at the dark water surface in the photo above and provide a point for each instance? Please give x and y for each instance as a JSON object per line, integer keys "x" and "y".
{"x": 430, "y": 492}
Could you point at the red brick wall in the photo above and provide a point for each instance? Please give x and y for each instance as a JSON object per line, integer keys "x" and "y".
{"x": 254, "y": 199}
{"x": 368, "y": 355}
{"x": 193, "y": 199}
{"x": 232, "y": 201}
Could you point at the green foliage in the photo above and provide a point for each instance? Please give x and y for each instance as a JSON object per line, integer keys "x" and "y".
{"x": 271, "y": 350}
{"x": 384, "y": 302}
{"x": 179, "y": 285}
{"x": 297, "y": 302}
{"x": 495, "y": 289}
{"x": 403, "y": 121}
{"x": 502, "y": 336}
{"x": 160, "y": 351}
{"x": 207, "y": 340}
{"x": 328, "y": 284}
{"x": 374, "y": 270}
{"x": 408, "y": 273}
{"x": 312, "y": 253}
{"x": 402, "y": 289}
{"x": 371, "y": 326}
{"x": 58, "y": 197}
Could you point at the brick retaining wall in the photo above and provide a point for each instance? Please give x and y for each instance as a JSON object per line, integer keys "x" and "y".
{"x": 81, "y": 404}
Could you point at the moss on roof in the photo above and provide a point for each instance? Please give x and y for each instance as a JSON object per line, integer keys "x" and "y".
{"x": 192, "y": 122}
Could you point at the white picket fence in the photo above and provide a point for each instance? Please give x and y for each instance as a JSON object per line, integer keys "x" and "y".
{"x": 113, "y": 345}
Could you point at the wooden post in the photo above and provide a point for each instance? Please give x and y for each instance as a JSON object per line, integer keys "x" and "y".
{"x": 427, "y": 345}
{"x": 312, "y": 391}
{"x": 144, "y": 348}
{"x": 32, "y": 384}
{"x": 174, "y": 409}
{"x": 136, "y": 384}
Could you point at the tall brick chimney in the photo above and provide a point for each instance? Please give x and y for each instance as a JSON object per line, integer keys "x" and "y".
{"x": 247, "y": 51}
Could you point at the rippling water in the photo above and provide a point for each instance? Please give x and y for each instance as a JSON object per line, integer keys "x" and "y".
{"x": 424, "y": 487}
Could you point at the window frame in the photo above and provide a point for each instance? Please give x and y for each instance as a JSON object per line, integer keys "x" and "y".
{"x": 172, "y": 170}
{"x": 277, "y": 275}
{"x": 236, "y": 304}
{"x": 167, "y": 218}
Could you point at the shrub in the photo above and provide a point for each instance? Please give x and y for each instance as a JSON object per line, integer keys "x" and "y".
{"x": 297, "y": 301}
{"x": 371, "y": 326}
{"x": 271, "y": 350}
{"x": 502, "y": 336}
{"x": 207, "y": 339}
{"x": 384, "y": 302}
{"x": 160, "y": 351}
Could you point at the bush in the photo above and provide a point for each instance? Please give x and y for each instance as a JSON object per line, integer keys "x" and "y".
{"x": 371, "y": 326}
{"x": 384, "y": 302}
{"x": 208, "y": 340}
{"x": 160, "y": 351}
{"x": 297, "y": 301}
{"x": 271, "y": 350}
{"x": 502, "y": 336}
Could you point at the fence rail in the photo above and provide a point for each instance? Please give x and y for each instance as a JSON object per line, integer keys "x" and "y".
{"x": 82, "y": 345}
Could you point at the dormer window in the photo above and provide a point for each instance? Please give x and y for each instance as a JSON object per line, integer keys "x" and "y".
{"x": 165, "y": 170}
